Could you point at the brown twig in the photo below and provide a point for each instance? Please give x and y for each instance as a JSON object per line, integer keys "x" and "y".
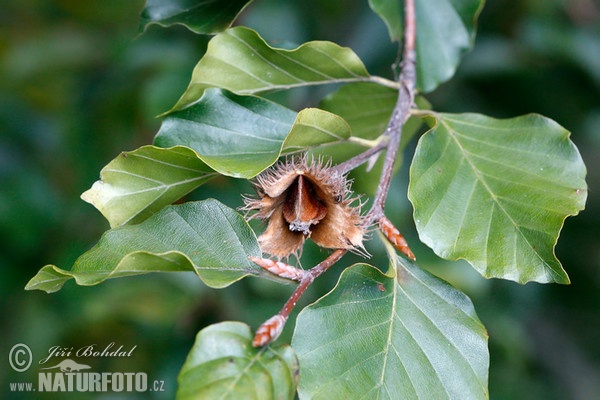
{"x": 359, "y": 159}
{"x": 271, "y": 329}
{"x": 406, "y": 96}
{"x": 401, "y": 112}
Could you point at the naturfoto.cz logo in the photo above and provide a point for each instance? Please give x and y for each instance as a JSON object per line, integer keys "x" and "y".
{"x": 68, "y": 375}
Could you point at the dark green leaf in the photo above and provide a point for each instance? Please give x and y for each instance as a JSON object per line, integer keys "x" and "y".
{"x": 138, "y": 183}
{"x": 205, "y": 237}
{"x": 375, "y": 336}
{"x": 496, "y": 193}
{"x": 445, "y": 31}
{"x": 224, "y": 365}
{"x": 240, "y": 136}
{"x": 240, "y": 61}
{"x": 392, "y": 13}
{"x": 367, "y": 107}
{"x": 204, "y": 17}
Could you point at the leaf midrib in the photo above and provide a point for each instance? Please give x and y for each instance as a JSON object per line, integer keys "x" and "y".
{"x": 389, "y": 339}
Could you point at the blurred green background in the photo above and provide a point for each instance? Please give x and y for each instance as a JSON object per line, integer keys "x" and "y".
{"x": 78, "y": 86}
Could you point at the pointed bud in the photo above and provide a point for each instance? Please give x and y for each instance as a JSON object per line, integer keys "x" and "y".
{"x": 269, "y": 331}
{"x": 395, "y": 238}
{"x": 279, "y": 268}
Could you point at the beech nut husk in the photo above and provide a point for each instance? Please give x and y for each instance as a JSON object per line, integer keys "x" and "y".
{"x": 300, "y": 201}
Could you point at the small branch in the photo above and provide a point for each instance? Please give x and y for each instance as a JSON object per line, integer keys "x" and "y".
{"x": 360, "y": 159}
{"x": 406, "y": 96}
{"x": 272, "y": 328}
{"x": 410, "y": 30}
{"x": 309, "y": 278}
{"x": 391, "y": 138}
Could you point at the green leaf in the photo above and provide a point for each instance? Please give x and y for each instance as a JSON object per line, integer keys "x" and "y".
{"x": 367, "y": 107}
{"x": 203, "y": 17}
{"x": 205, "y": 237}
{"x": 392, "y": 14}
{"x": 240, "y": 61}
{"x": 314, "y": 127}
{"x": 139, "y": 183}
{"x": 240, "y": 136}
{"x": 412, "y": 336}
{"x": 223, "y": 365}
{"x": 496, "y": 193}
{"x": 445, "y": 32}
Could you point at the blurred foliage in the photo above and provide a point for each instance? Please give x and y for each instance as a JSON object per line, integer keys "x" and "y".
{"x": 78, "y": 86}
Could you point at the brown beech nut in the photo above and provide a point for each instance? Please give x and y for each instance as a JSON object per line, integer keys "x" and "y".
{"x": 301, "y": 200}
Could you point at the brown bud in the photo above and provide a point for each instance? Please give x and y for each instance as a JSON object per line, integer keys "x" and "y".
{"x": 303, "y": 201}
{"x": 269, "y": 331}
{"x": 278, "y": 268}
{"x": 395, "y": 237}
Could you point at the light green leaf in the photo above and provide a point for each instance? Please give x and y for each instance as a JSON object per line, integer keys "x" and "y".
{"x": 445, "y": 32}
{"x": 496, "y": 193}
{"x": 374, "y": 336}
{"x": 240, "y": 61}
{"x": 205, "y": 237}
{"x": 314, "y": 127}
{"x": 204, "y": 17}
{"x": 138, "y": 183}
{"x": 240, "y": 136}
{"x": 224, "y": 365}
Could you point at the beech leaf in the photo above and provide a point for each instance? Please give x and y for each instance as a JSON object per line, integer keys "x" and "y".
{"x": 496, "y": 193}
{"x": 366, "y": 107}
{"x": 240, "y": 136}
{"x": 445, "y": 32}
{"x": 406, "y": 336}
{"x": 205, "y": 237}
{"x": 223, "y": 364}
{"x": 240, "y": 61}
{"x": 139, "y": 183}
{"x": 204, "y": 17}
{"x": 313, "y": 127}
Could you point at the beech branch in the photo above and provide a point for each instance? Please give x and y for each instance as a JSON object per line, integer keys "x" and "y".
{"x": 401, "y": 112}
{"x": 406, "y": 96}
{"x": 390, "y": 142}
